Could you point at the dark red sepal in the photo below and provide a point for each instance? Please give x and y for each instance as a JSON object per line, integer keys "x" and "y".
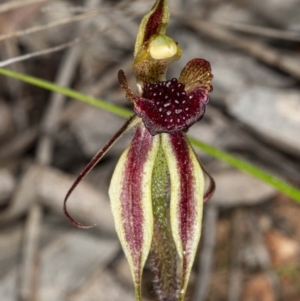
{"x": 128, "y": 124}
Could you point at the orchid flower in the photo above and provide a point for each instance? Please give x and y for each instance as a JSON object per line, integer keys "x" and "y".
{"x": 157, "y": 190}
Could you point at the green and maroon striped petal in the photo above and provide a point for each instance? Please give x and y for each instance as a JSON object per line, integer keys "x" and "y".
{"x": 153, "y": 23}
{"x": 129, "y": 124}
{"x": 186, "y": 200}
{"x": 131, "y": 200}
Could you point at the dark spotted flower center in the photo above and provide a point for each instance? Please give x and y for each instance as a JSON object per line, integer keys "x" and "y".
{"x": 165, "y": 106}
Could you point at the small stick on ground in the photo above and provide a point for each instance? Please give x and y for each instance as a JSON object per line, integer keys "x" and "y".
{"x": 18, "y": 144}
{"x": 55, "y": 48}
{"x": 17, "y": 4}
{"x": 39, "y": 28}
{"x": 236, "y": 273}
{"x": 10, "y": 23}
{"x": 262, "y": 31}
{"x": 44, "y": 156}
{"x": 27, "y": 289}
{"x": 250, "y": 45}
{"x": 262, "y": 253}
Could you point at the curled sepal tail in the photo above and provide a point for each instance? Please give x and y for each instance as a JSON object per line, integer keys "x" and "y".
{"x": 130, "y": 123}
{"x": 209, "y": 192}
{"x": 186, "y": 201}
{"x": 131, "y": 200}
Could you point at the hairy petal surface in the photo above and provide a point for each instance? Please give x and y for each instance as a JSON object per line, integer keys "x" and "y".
{"x": 186, "y": 200}
{"x": 196, "y": 74}
{"x": 165, "y": 107}
{"x": 130, "y": 196}
{"x": 163, "y": 256}
{"x": 154, "y": 58}
{"x": 149, "y": 71}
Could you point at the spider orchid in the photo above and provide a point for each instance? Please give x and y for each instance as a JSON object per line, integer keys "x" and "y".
{"x": 157, "y": 189}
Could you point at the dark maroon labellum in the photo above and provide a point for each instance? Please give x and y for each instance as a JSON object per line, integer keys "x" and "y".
{"x": 166, "y": 107}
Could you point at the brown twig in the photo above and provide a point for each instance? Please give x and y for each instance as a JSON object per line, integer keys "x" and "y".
{"x": 262, "y": 253}
{"x": 107, "y": 81}
{"x": 261, "y": 31}
{"x": 30, "y": 254}
{"x": 7, "y": 185}
{"x": 50, "y": 192}
{"x": 35, "y": 29}
{"x": 55, "y": 48}
{"x": 44, "y": 156}
{"x": 17, "y": 4}
{"x": 83, "y": 16}
{"x": 236, "y": 273}
{"x": 11, "y": 50}
{"x": 251, "y": 46}
{"x": 10, "y": 22}
{"x": 18, "y": 144}
{"x": 276, "y": 161}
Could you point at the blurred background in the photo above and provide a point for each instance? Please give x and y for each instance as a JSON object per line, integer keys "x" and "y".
{"x": 250, "y": 249}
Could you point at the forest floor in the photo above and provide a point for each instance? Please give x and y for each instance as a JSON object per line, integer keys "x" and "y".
{"x": 250, "y": 248}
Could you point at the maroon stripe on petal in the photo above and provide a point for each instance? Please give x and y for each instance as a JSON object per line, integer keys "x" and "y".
{"x": 128, "y": 125}
{"x": 154, "y": 23}
{"x": 186, "y": 200}
{"x": 132, "y": 190}
{"x": 186, "y": 213}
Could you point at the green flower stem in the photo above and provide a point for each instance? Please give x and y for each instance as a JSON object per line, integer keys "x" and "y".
{"x": 247, "y": 167}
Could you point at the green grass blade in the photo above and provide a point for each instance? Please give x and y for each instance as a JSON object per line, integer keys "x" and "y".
{"x": 68, "y": 92}
{"x": 247, "y": 167}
